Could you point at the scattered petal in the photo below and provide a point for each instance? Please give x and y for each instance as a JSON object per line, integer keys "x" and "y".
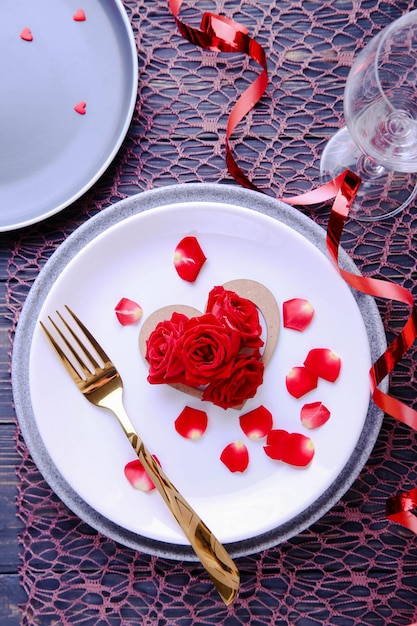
{"x": 137, "y": 476}
{"x": 292, "y": 448}
{"x": 300, "y": 381}
{"x": 298, "y": 450}
{"x": 79, "y": 15}
{"x": 314, "y": 415}
{"x": 297, "y": 314}
{"x": 189, "y": 258}
{"x": 26, "y": 34}
{"x": 257, "y": 423}
{"x": 324, "y": 363}
{"x": 275, "y": 444}
{"x": 81, "y": 107}
{"x": 128, "y": 312}
{"x": 235, "y": 456}
{"x": 191, "y": 423}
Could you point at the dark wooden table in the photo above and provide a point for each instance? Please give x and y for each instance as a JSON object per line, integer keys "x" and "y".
{"x": 10, "y": 589}
{"x": 177, "y": 136}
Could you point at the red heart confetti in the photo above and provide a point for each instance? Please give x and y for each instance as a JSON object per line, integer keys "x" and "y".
{"x": 79, "y": 15}
{"x": 26, "y": 34}
{"x": 81, "y": 107}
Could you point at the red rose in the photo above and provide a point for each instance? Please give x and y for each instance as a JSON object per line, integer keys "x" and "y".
{"x": 163, "y": 351}
{"x": 208, "y": 349}
{"x": 238, "y": 313}
{"x": 247, "y": 375}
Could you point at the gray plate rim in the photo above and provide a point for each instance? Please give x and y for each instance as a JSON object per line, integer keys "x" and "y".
{"x": 192, "y": 192}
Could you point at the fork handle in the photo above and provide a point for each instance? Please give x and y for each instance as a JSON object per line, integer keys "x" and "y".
{"x": 212, "y": 554}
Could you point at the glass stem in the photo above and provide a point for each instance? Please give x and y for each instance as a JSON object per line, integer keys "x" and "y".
{"x": 371, "y": 168}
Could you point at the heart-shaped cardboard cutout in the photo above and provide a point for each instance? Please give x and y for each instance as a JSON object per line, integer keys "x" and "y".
{"x": 252, "y": 290}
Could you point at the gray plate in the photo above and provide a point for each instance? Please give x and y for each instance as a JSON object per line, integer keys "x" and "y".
{"x": 49, "y": 154}
{"x": 70, "y": 248}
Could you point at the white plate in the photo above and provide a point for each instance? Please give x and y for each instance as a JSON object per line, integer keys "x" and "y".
{"x": 133, "y": 258}
{"x": 49, "y": 154}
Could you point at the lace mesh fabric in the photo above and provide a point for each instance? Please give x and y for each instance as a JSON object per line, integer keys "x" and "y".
{"x": 352, "y": 567}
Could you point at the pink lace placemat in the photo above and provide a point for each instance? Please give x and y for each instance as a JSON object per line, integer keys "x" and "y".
{"x": 353, "y": 567}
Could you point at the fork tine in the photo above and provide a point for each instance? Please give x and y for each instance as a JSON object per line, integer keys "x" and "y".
{"x": 79, "y": 357}
{"x": 81, "y": 345}
{"x": 67, "y": 363}
{"x": 89, "y": 336}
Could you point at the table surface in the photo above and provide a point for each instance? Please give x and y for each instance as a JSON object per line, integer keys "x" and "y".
{"x": 177, "y": 136}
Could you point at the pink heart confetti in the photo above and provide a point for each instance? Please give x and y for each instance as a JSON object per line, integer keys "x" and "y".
{"x": 26, "y": 34}
{"x": 80, "y": 107}
{"x": 79, "y": 15}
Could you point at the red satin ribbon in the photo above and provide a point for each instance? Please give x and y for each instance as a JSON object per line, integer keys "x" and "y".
{"x": 225, "y": 35}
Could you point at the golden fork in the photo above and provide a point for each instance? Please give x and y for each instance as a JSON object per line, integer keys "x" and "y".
{"x": 102, "y": 385}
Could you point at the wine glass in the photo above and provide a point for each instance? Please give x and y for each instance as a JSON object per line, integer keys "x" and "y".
{"x": 379, "y": 141}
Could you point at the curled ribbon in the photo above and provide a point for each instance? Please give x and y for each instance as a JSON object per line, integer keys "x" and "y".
{"x": 222, "y": 34}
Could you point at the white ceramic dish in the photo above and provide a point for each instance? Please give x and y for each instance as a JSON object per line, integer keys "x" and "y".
{"x": 50, "y": 154}
{"x": 126, "y": 251}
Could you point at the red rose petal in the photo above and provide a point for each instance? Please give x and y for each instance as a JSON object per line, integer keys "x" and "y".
{"x": 297, "y": 314}
{"x": 314, "y": 415}
{"x": 257, "y": 423}
{"x": 191, "y": 423}
{"x": 79, "y": 15}
{"x": 298, "y": 450}
{"x": 128, "y": 312}
{"x": 324, "y": 363}
{"x": 300, "y": 381}
{"x": 189, "y": 258}
{"x": 26, "y": 34}
{"x": 137, "y": 476}
{"x": 235, "y": 456}
{"x": 81, "y": 107}
{"x": 275, "y": 444}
